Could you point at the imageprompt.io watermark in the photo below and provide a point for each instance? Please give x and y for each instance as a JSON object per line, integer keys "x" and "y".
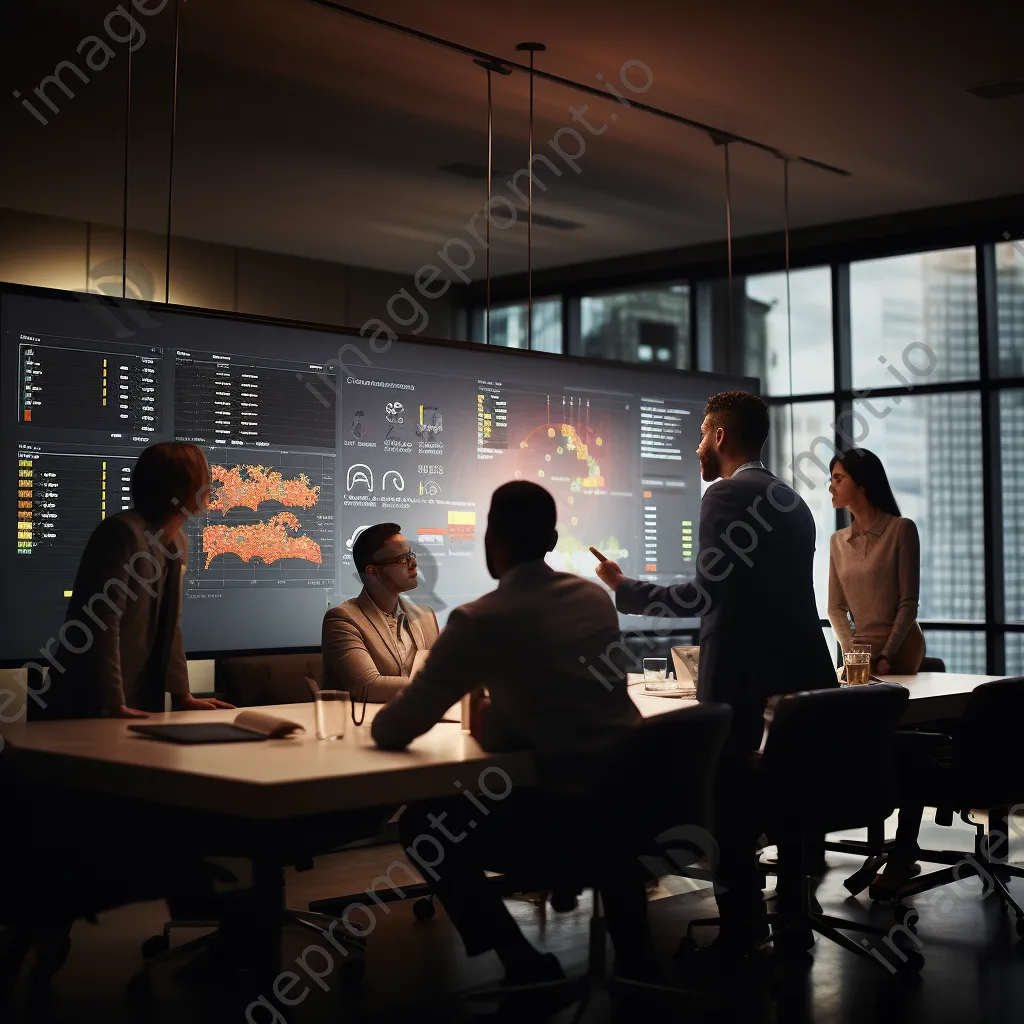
{"x": 120, "y": 27}
{"x": 460, "y": 252}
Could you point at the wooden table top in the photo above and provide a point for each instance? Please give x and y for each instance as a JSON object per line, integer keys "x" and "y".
{"x": 273, "y": 779}
{"x": 278, "y": 779}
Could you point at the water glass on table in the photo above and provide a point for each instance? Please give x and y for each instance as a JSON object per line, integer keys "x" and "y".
{"x": 656, "y": 675}
{"x": 331, "y": 708}
{"x": 857, "y": 663}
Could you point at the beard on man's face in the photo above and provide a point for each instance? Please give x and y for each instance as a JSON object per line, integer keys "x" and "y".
{"x": 710, "y": 467}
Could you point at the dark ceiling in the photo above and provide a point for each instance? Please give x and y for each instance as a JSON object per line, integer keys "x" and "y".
{"x": 309, "y": 132}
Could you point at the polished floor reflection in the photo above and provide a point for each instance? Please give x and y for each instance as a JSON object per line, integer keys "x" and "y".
{"x": 974, "y": 965}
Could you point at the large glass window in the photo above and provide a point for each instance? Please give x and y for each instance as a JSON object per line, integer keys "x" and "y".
{"x": 960, "y": 651}
{"x": 508, "y": 325}
{"x": 650, "y": 325}
{"x": 766, "y": 351}
{"x": 930, "y": 446}
{"x": 794, "y": 428}
{"x": 1015, "y": 654}
{"x": 1011, "y": 439}
{"x": 914, "y": 319}
{"x": 1010, "y": 297}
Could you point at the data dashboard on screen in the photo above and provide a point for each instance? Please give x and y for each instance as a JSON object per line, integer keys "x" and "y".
{"x": 312, "y": 436}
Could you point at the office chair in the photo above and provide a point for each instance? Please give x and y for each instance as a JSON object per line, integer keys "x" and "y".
{"x": 660, "y": 798}
{"x": 812, "y": 776}
{"x": 979, "y": 766}
{"x": 877, "y": 847}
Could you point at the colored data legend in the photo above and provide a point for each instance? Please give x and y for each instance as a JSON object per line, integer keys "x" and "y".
{"x": 25, "y": 505}
{"x": 461, "y": 527}
{"x": 491, "y": 420}
{"x": 61, "y": 498}
{"x": 76, "y": 389}
{"x": 650, "y": 538}
{"x": 687, "y": 539}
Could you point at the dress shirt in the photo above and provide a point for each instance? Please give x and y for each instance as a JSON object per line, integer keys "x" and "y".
{"x": 547, "y": 646}
{"x": 398, "y": 623}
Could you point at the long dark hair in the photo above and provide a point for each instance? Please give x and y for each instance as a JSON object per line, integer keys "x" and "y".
{"x": 867, "y": 471}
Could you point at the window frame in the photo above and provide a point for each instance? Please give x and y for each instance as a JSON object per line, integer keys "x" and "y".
{"x": 712, "y": 349}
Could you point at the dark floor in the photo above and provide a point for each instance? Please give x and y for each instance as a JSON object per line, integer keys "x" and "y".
{"x": 973, "y": 971}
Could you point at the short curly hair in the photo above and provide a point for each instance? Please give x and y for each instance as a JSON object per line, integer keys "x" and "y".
{"x": 743, "y": 416}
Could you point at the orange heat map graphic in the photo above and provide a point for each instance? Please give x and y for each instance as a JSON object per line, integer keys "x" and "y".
{"x": 573, "y": 443}
{"x": 266, "y": 541}
{"x": 259, "y": 484}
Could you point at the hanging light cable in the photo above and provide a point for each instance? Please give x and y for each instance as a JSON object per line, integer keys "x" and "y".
{"x": 170, "y": 162}
{"x": 490, "y": 66}
{"x": 533, "y": 48}
{"x": 127, "y": 160}
{"x": 728, "y": 238}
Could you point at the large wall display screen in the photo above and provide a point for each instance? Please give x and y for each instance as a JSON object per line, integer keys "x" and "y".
{"x": 312, "y": 436}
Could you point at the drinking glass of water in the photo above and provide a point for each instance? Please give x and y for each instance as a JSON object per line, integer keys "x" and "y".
{"x": 331, "y": 708}
{"x": 656, "y": 675}
{"x": 857, "y": 661}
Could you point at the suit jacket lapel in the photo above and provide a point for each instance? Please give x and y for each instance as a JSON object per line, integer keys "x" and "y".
{"x": 375, "y": 617}
{"x": 413, "y": 617}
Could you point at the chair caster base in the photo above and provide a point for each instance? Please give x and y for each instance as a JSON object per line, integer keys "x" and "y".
{"x": 424, "y": 909}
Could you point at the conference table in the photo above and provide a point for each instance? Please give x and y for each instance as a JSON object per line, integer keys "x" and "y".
{"x": 933, "y": 695}
{"x": 272, "y": 790}
{"x": 274, "y": 780}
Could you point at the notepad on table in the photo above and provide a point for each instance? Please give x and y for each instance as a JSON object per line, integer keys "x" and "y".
{"x": 248, "y": 727}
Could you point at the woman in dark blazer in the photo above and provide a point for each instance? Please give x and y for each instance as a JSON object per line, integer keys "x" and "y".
{"x": 120, "y": 648}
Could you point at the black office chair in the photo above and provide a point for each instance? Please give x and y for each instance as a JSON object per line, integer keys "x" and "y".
{"x": 877, "y": 847}
{"x": 977, "y": 767}
{"x": 826, "y": 764}
{"x": 659, "y": 797}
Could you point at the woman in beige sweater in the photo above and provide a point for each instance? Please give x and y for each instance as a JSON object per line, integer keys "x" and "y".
{"x": 874, "y": 568}
{"x": 874, "y": 575}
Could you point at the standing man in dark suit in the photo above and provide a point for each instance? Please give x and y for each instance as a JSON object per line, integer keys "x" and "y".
{"x": 760, "y": 633}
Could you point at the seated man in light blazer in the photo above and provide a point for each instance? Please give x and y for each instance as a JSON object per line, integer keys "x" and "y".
{"x": 371, "y": 641}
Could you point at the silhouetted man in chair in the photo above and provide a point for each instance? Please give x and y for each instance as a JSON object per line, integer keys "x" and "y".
{"x": 529, "y": 641}
{"x": 760, "y": 632}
